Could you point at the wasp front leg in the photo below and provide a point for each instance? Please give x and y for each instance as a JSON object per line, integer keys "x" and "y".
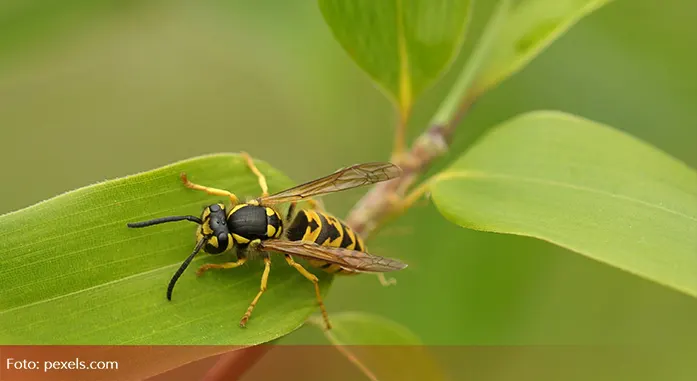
{"x": 226, "y": 265}
{"x": 211, "y": 191}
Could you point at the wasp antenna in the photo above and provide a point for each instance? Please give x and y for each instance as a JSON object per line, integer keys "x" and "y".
{"x": 163, "y": 220}
{"x": 183, "y": 267}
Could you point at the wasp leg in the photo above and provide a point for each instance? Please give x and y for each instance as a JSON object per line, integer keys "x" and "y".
{"x": 211, "y": 191}
{"x": 386, "y": 281}
{"x": 255, "y": 170}
{"x": 264, "y": 280}
{"x": 226, "y": 265}
{"x": 311, "y": 277}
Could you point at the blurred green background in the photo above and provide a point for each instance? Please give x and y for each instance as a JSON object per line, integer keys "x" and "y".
{"x": 93, "y": 90}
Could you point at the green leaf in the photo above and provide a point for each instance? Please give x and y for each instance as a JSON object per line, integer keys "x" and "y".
{"x": 71, "y": 272}
{"x": 404, "y": 45}
{"x": 383, "y": 349}
{"x": 583, "y": 186}
{"x": 530, "y": 27}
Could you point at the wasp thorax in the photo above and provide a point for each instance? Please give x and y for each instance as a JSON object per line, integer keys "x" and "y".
{"x": 249, "y": 222}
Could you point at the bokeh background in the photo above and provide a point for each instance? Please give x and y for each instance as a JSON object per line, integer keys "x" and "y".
{"x": 93, "y": 90}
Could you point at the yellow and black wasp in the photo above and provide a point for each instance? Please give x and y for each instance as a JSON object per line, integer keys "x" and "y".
{"x": 322, "y": 239}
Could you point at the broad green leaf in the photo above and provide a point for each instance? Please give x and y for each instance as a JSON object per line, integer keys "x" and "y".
{"x": 71, "y": 272}
{"x": 583, "y": 186}
{"x": 404, "y": 45}
{"x": 382, "y": 348}
{"x": 530, "y": 27}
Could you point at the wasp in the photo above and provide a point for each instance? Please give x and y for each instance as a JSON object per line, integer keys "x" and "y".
{"x": 256, "y": 225}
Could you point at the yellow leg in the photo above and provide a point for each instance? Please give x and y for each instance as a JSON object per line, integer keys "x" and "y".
{"x": 264, "y": 280}
{"x": 211, "y": 191}
{"x": 314, "y": 280}
{"x": 255, "y": 170}
{"x": 386, "y": 281}
{"x": 226, "y": 265}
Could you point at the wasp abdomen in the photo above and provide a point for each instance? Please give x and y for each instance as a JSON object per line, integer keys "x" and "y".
{"x": 326, "y": 230}
{"x": 304, "y": 227}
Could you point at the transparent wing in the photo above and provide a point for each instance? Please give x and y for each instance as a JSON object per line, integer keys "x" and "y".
{"x": 350, "y": 259}
{"x": 346, "y": 178}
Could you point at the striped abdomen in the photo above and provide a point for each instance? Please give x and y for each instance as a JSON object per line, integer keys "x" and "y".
{"x": 326, "y": 230}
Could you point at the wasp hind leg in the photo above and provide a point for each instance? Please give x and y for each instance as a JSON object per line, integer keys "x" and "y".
{"x": 311, "y": 277}
{"x": 260, "y": 176}
{"x": 385, "y": 281}
{"x": 211, "y": 191}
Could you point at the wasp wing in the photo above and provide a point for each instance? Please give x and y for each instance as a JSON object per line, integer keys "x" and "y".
{"x": 350, "y": 259}
{"x": 346, "y": 178}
